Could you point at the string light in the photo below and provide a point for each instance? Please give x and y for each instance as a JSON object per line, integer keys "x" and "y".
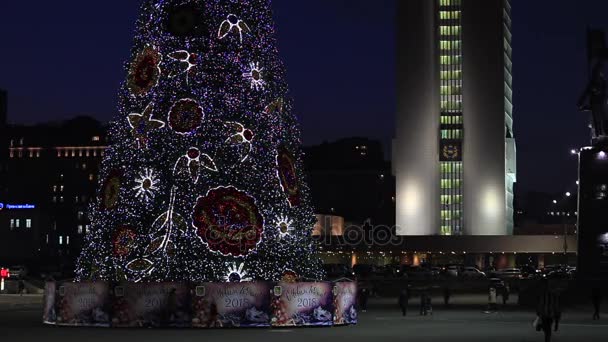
{"x": 224, "y": 148}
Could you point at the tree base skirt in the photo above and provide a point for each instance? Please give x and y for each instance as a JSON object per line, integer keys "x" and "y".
{"x": 203, "y": 305}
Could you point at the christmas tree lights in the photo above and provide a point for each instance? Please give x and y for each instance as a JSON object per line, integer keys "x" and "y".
{"x": 203, "y": 180}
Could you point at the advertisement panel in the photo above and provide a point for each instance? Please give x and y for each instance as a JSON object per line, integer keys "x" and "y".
{"x": 302, "y": 304}
{"x": 244, "y": 304}
{"x": 82, "y": 304}
{"x": 345, "y": 303}
{"x": 151, "y": 305}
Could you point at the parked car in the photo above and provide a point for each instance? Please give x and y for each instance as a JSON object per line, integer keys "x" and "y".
{"x": 528, "y": 271}
{"x": 509, "y": 273}
{"x": 472, "y": 272}
{"x": 18, "y": 271}
{"x": 452, "y": 271}
{"x": 363, "y": 270}
{"x": 335, "y": 271}
{"x": 497, "y": 283}
{"x": 417, "y": 272}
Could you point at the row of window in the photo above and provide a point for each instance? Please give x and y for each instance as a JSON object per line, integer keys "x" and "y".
{"x": 451, "y": 106}
{"x": 451, "y": 75}
{"x": 452, "y": 134}
{"x": 16, "y": 223}
{"x": 451, "y": 199}
{"x": 60, "y": 238}
{"x": 450, "y": 60}
{"x": 77, "y": 199}
{"x": 81, "y": 152}
{"x": 451, "y": 183}
{"x": 451, "y": 90}
{"x": 453, "y": 30}
{"x": 449, "y": 15}
{"x": 444, "y": 3}
{"x": 450, "y": 45}
{"x": 451, "y": 120}
{"x": 448, "y": 215}
{"x": 451, "y": 168}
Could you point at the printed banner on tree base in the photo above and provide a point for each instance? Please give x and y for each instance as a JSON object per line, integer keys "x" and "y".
{"x": 151, "y": 305}
{"x": 48, "y": 313}
{"x": 345, "y": 303}
{"x": 302, "y": 304}
{"x": 82, "y": 304}
{"x": 218, "y": 305}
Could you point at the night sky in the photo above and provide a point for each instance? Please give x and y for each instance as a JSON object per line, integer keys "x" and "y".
{"x": 64, "y": 58}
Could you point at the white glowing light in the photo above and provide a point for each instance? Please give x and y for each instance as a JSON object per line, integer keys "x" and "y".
{"x": 255, "y": 76}
{"x": 236, "y": 274}
{"x": 241, "y": 136}
{"x": 185, "y": 58}
{"x": 284, "y": 226}
{"x": 231, "y": 23}
{"x": 146, "y": 185}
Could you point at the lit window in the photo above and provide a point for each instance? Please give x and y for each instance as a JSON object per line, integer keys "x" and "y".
{"x": 67, "y": 240}
{"x": 61, "y": 200}
{"x": 76, "y": 198}
{"x": 80, "y": 215}
{"x": 86, "y": 228}
{"x": 80, "y": 229}
{"x": 47, "y": 239}
{"x": 12, "y": 224}
{"x": 54, "y": 199}
{"x": 84, "y": 166}
{"x": 61, "y": 187}
{"x": 95, "y": 138}
{"x": 28, "y": 223}
{"x": 61, "y": 240}
{"x": 91, "y": 177}
{"x": 17, "y": 223}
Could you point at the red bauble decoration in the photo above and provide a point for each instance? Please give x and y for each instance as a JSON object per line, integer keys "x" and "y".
{"x": 144, "y": 71}
{"x": 186, "y": 116}
{"x": 122, "y": 241}
{"x": 288, "y": 176}
{"x": 110, "y": 191}
{"x": 228, "y": 221}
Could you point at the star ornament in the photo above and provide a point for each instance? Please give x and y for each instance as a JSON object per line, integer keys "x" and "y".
{"x": 142, "y": 124}
{"x": 236, "y": 274}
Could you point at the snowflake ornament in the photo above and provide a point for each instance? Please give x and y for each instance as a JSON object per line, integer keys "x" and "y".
{"x": 232, "y": 23}
{"x": 255, "y": 76}
{"x": 284, "y": 226}
{"x": 236, "y": 274}
{"x": 146, "y": 185}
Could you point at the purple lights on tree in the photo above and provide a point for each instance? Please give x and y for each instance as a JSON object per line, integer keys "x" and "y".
{"x": 205, "y": 165}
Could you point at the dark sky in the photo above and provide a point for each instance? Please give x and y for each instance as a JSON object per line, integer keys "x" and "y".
{"x": 64, "y": 58}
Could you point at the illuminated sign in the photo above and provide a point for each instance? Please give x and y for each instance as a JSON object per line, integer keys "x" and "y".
{"x": 16, "y": 206}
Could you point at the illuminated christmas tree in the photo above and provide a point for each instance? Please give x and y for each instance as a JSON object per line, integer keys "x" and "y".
{"x": 203, "y": 179}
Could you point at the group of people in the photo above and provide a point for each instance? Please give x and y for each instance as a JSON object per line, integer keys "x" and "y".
{"x": 548, "y": 310}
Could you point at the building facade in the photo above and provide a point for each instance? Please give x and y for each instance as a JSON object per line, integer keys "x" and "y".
{"x": 52, "y": 175}
{"x": 454, "y": 152}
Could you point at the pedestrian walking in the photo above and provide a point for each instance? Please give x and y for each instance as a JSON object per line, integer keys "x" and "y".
{"x": 446, "y": 296}
{"x": 596, "y": 298}
{"x": 423, "y": 296}
{"x": 548, "y": 310}
{"x": 492, "y": 299}
{"x": 363, "y": 297}
{"x": 21, "y": 286}
{"x": 403, "y": 301}
{"x": 506, "y": 292}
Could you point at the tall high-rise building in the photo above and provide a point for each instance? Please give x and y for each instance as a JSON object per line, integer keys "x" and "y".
{"x": 454, "y": 152}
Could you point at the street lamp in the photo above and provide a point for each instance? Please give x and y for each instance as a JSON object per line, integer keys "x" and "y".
{"x": 568, "y": 194}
